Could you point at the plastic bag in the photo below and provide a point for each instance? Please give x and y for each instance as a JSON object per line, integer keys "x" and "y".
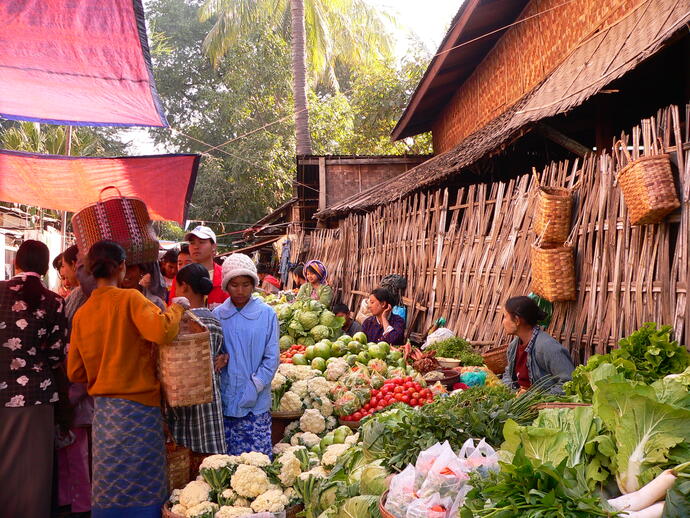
{"x": 432, "y": 506}
{"x": 482, "y": 458}
{"x": 363, "y": 312}
{"x": 401, "y": 492}
{"x": 426, "y": 460}
{"x": 442, "y": 333}
{"x": 446, "y": 476}
{"x": 459, "y": 500}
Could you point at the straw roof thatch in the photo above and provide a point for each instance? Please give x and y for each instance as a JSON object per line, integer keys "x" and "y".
{"x": 604, "y": 57}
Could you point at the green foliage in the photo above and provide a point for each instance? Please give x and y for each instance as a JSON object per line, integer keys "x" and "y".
{"x": 457, "y": 348}
{"x": 678, "y": 498}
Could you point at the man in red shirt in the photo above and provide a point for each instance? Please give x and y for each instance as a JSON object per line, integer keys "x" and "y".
{"x": 202, "y": 250}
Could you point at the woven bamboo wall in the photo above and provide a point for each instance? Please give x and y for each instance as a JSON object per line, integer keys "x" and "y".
{"x": 464, "y": 254}
{"x": 521, "y": 59}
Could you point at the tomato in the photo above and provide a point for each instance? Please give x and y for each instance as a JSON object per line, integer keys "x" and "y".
{"x": 409, "y": 378}
{"x": 405, "y": 398}
{"x": 366, "y": 407}
{"x": 409, "y": 384}
{"x": 398, "y": 390}
{"x": 414, "y": 402}
{"x": 373, "y": 402}
{"x": 410, "y": 391}
{"x": 398, "y": 397}
{"x": 415, "y": 395}
{"x": 379, "y": 408}
{"x": 438, "y": 509}
{"x": 357, "y": 416}
{"x": 399, "y": 381}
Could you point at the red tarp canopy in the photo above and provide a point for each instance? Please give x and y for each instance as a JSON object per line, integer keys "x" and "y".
{"x": 78, "y": 62}
{"x": 164, "y": 182}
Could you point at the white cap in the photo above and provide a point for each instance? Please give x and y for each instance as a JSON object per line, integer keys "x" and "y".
{"x": 201, "y": 232}
{"x": 236, "y": 265}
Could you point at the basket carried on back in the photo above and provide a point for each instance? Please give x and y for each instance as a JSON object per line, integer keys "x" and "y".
{"x": 553, "y": 272}
{"x": 648, "y": 188}
{"x": 123, "y": 220}
{"x": 185, "y": 365}
{"x": 179, "y": 468}
{"x": 554, "y": 212}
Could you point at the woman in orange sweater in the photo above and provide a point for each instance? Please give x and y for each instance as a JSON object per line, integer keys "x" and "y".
{"x": 111, "y": 351}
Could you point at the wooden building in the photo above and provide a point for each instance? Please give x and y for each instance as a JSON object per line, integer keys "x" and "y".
{"x": 521, "y": 92}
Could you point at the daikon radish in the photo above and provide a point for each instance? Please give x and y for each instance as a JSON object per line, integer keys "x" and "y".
{"x": 646, "y": 495}
{"x": 653, "y": 511}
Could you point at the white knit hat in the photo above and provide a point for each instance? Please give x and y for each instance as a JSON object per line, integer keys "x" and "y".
{"x": 236, "y": 265}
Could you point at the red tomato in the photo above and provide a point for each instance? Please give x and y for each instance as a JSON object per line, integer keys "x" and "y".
{"x": 410, "y": 391}
{"x": 438, "y": 509}
{"x": 409, "y": 378}
{"x": 398, "y": 397}
{"x": 374, "y": 401}
{"x": 399, "y": 381}
{"x": 408, "y": 384}
{"x": 357, "y": 416}
{"x": 379, "y": 407}
{"x": 414, "y": 402}
{"x": 398, "y": 390}
{"x": 366, "y": 407}
{"x": 405, "y": 398}
{"x": 415, "y": 395}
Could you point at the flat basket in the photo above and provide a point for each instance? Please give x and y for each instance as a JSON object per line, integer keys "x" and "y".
{"x": 496, "y": 359}
{"x": 123, "y": 220}
{"x": 185, "y": 365}
{"x": 558, "y": 404}
{"x": 648, "y": 189}
{"x": 553, "y": 272}
{"x": 178, "y": 465}
{"x": 554, "y": 213}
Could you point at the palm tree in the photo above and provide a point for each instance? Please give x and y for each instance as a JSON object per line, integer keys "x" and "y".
{"x": 328, "y": 32}
{"x": 48, "y": 139}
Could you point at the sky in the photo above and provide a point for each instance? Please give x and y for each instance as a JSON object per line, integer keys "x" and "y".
{"x": 428, "y": 19}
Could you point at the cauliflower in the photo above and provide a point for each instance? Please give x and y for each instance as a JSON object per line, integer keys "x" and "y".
{"x": 175, "y": 496}
{"x": 249, "y": 481}
{"x": 233, "y": 512}
{"x": 255, "y": 458}
{"x": 336, "y": 369}
{"x": 227, "y": 497}
{"x": 330, "y": 456}
{"x": 295, "y": 439}
{"x": 331, "y": 422}
{"x": 219, "y": 461}
{"x": 179, "y": 509}
{"x": 278, "y": 381}
{"x": 273, "y": 501}
{"x": 319, "y": 387}
{"x": 290, "y": 402}
{"x": 202, "y": 510}
{"x": 289, "y": 469}
{"x": 309, "y": 439}
{"x": 291, "y": 428}
{"x": 241, "y": 502}
{"x": 324, "y": 406}
{"x": 291, "y": 494}
{"x": 301, "y": 388}
{"x": 280, "y": 448}
{"x": 312, "y": 421}
{"x": 194, "y": 493}
{"x": 317, "y": 472}
{"x": 351, "y": 440}
{"x": 297, "y": 372}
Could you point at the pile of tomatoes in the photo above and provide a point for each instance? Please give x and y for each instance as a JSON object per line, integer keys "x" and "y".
{"x": 286, "y": 356}
{"x": 398, "y": 390}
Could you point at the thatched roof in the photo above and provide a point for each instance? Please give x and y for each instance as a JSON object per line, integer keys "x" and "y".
{"x": 604, "y": 57}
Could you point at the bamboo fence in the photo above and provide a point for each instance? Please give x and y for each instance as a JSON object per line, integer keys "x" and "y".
{"x": 465, "y": 252}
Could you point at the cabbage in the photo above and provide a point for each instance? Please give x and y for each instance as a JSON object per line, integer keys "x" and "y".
{"x": 305, "y": 340}
{"x": 314, "y": 305}
{"x": 319, "y": 332}
{"x": 295, "y": 329}
{"x": 373, "y": 479}
{"x": 285, "y": 342}
{"x": 362, "y": 506}
{"x": 308, "y": 319}
{"x": 327, "y": 318}
{"x": 284, "y": 312}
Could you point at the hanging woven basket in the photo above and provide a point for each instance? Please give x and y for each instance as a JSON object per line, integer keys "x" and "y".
{"x": 553, "y": 215}
{"x": 553, "y": 272}
{"x": 185, "y": 365}
{"x": 648, "y": 188}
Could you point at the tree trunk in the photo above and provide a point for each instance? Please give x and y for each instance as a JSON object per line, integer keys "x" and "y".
{"x": 299, "y": 71}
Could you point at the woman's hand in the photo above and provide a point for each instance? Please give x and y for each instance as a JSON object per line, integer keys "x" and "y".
{"x": 520, "y": 392}
{"x": 387, "y": 310}
{"x": 145, "y": 281}
{"x": 221, "y": 362}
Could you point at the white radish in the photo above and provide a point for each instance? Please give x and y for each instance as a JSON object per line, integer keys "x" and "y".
{"x": 653, "y": 511}
{"x": 647, "y": 495}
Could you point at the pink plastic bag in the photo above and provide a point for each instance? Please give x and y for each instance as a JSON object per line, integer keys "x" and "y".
{"x": 446, "y": 476}
{"x": 432, "y": 506}
{"x": 482, "y": 458}
{"x": 426, "y": 459}
{"x": 401, "y": 492}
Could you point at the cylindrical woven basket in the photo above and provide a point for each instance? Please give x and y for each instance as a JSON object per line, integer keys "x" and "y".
{"x": 554, "y": 212}
{"x": 648, "y": 189}
{"x": 496, "y": 359}
{"x": 123, "y": 220}
{"x": 185, "y": 365}
{"x": 178, "y": 465}
{"x": 553, "y": 272}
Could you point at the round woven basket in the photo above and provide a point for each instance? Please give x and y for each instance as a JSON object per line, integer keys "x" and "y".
{"x": 554, "y": 212}
{"x": 167, "y": 513}
{"x": 290, "y": 512}
{"x": 553, "y": 272}
{"x": 287, "y": 415}
{"x": 558, "y": 404}
{"x": 351, "y": 424}
{"x": 185, "y": 365}
{"x": 179, "y": 461}
{"x": 382, "y": 506}
{"x": 648, "y": 189}
{"x": 496, "y": 359}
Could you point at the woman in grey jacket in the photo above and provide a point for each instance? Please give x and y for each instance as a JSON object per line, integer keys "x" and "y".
{"x": 533, "y": 354}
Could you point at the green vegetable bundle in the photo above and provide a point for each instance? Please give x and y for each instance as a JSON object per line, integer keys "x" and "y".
{"x": 459, "y": 349}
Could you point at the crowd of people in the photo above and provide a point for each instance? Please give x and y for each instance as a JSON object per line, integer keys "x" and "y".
{"x": 78, "y": 376}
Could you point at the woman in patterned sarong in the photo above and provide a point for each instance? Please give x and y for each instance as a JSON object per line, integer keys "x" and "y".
{"x": 111, "y": 351}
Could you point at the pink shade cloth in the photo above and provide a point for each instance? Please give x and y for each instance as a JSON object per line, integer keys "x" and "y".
{"x": 74, "y": 481}
{"x": 80, "y": 62}
{"x": 164, "y": 182}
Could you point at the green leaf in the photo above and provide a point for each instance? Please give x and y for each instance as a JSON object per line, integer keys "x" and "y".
{"x": 678, "y": 500}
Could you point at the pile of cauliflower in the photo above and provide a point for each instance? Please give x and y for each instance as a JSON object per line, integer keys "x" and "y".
{"x": 296, "y": 387}
{"x": 231, "y": 487}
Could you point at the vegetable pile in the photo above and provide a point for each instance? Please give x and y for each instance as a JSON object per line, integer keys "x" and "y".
{"x": 458, "y": 349}
{"x": 306, "y": 322}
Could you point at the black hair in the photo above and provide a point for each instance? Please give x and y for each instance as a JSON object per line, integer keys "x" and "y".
{"x": 70, "y": 254}
{"x": 298, "y": 270}
{"x": 384, "y": 295}
{"x": 196, "y": 277}
{"x": 104, "y": 259}
{"x": 526, "y": 309}
{"x": 184, "y": 249}
{"x": 57, "y": 262}
{"x": 171, "y": 255}
{"x": 32, "y": 256}
{"x": 263, "y": 268}
{"x": 340, "y": 308}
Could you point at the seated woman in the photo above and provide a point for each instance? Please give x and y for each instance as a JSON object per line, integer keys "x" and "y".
{"x": 298, "y": 278}
{"x": 382, "y": 325}
{"x": 316, "y": 288}
{"x": 533, "y": 354}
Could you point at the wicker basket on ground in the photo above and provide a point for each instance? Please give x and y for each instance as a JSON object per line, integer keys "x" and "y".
{"x": 496, "y": 359}
{"x": 179, "y": 460}
{"x": 382, "y": 506}
{"x": 290, "y": 512}
{"x": 185, "y": 365}
{"x": 554, "y": 212}
{"x": 648, "y": 188}
{"x": 553, "y": 272}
